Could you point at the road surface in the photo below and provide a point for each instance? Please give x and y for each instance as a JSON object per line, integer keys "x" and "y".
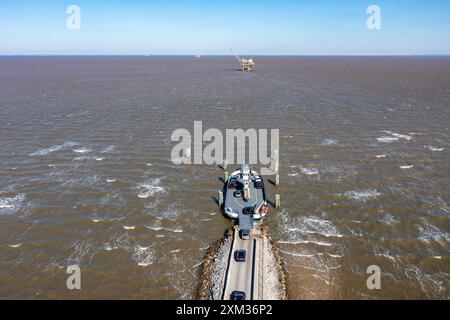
{"x": 240, "y": 273}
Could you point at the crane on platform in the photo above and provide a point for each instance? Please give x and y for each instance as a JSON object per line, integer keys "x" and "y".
{"x": 246, "y": 64}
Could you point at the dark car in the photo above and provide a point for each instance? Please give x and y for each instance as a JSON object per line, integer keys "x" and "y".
{"x": 240, "y": 255}
{"x": 259, "y": 184}
{"x": 248, "y": 210}
{"x": 244, "y": 234}
{"x": 233, "y": 183}
{"x": 237, "y": 295}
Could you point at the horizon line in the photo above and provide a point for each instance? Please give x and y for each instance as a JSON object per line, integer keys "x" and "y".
{"x": 213, "y": 55}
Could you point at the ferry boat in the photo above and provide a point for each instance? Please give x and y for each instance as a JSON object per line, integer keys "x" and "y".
{"x": 245, "y": 195}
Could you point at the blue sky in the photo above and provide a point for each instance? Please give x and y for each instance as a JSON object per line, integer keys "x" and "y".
{"x": 304, "y": 27}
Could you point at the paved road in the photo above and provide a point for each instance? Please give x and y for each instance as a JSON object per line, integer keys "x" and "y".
{"x": 240, "y": 273}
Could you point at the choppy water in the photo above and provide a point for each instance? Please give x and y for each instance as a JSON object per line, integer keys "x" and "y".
{"x": 86, "y": 176}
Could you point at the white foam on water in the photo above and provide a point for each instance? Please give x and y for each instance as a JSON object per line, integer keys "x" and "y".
{"x": 305, "y": 171}
{"x": 154, "y": 228}
{"x": 108, "y": 247}
{"x": 335, "y": 255}
{"x": 328, "y": 142}
{"x": 14, "y": 246}
{"x": 11, "y": 204}
{"x": 298, "y": 254}
{"x": 175, "y": 251}
{"x": 429, "y": 284}
{"x": 149, "y": 188}
{"x": 362, "y": 195}
{"x": 111, "y": 180}
{"x": 434, "y": 149}
{"x": 81, "y": 150}
{"x": 82, "y": 249}
{"x": 437, "y": 257}
{"x": 309, "y": 171}
{"x": 387, "y": 139}
{"x": 160, "y": 236}
{"x": 389, "y": 219}
{"x": 174, "y": 230}
{"x": 43, "y": 152}
{"x": 109, "y": 149}
{"x": 148, "y": 164}
{"x": 380, "y": 156}
{"x": 398, "y": 135}
{"x": 129, "y": 227}
{"x": 409, "y": 166}
{"x": 319, "y": 243}
{"x": 301, "y": 226}
{"x": 99, "y": 159}
{"x": 429, "y": 232}
{"x": 144, "y": 256}
{"x": 325, "y": 234}
{"x": 386, "y": 255}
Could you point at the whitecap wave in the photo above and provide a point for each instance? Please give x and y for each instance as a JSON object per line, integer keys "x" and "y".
{"x": 309, "y": 171}
{"x": 362, "y": 195}
{"x": 389, "y": 219}
{"x": 429, "y": 232}
{"x": 154, "y": 228}
{"x": 144, "y": 256}
{"x": 43, "y": 152}
{"x": 109, "y": 149}
{"x": 179, "y": 230}
{"x": 149, "y": 188}
{"x": 387, "y": 139}
{"x": 14, "y": 246}
{"x": 81, "y": 150}
{"x": 11, "y": 204}
{"x": 328, "y": 142}
{"x": 319, "y": 243}
{"x": 434, "y": 149}
{"x": 398, "y": 135}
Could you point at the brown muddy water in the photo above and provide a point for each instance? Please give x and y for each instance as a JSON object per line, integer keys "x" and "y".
{"x": 86, "y": 176}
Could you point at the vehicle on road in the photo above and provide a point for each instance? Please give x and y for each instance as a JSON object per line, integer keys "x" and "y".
{"x": 244, "y": 234}
{"x": 244, "y": 188}
{"x": 240, "y": 255}
{"x": 237, "y": 295}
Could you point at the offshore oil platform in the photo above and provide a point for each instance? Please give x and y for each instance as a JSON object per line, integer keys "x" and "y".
{"x": 246, "y": 64}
